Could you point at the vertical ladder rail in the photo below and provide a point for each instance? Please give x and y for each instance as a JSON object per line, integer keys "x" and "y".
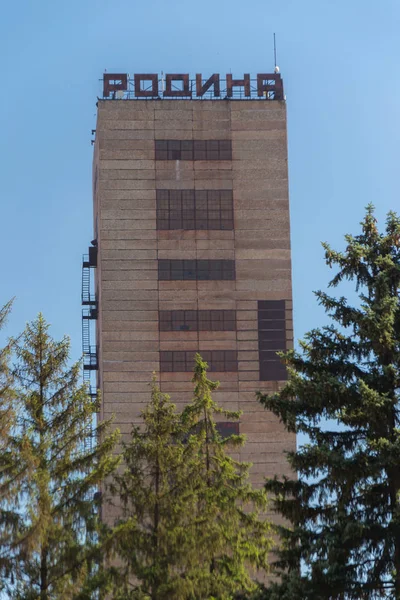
{"x": 89, "y": 313}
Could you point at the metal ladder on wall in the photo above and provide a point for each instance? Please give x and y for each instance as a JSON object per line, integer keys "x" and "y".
{"x": 89, "y": 313}
{"x": 85, "y": 282}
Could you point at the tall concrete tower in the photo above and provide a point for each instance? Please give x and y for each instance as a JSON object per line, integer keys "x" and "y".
{"x": 192, "y": 249}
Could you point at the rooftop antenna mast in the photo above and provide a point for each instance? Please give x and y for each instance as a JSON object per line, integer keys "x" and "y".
{"x": 276, "y": 70}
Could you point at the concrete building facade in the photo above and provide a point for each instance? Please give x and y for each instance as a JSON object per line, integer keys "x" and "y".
{"x": 192, "y": 254}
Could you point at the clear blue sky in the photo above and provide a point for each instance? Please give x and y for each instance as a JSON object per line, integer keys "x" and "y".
{"x": 340, "y": 64}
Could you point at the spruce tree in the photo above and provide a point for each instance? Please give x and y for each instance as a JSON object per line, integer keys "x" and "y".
{"x": 53, "y": 474}
{"x": 191, "y": 527}
{"x": 342, "y": 539}
{"x": 232, "y": 534}
{"x": 6, "y": 380}
{"x": 155, "y": 540}
{"x": 7, "y": 418}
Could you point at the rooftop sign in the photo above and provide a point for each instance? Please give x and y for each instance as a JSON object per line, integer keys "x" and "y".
{"x": 120, "y": 86}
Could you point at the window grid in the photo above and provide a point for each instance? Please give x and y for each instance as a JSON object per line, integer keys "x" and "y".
{"x": 271, "y": 339}
{"x": 194, "y": 209}
{"x": 196, "y": 270}
{"x": 193, "y": 149}
{"x": 183, "y": 361}
{"x": 197, "y": 320}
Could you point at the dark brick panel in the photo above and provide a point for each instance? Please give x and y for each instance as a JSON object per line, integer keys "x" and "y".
{"x": 193, "y": 149}
{"x": 227, "y": 428}
{"x": 197, "y": 320}
{"x": 194, "y": 209}
{"x": 271, "y": 339}
{"x": 200, "y": 270}
{"x": 183, "y": 361}
{"x": 224, "y": 428}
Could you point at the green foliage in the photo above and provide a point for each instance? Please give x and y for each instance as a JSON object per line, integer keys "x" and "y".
{"x": 190, "y": 528}
{"x": 232, "y": 535}
{"x": 49, "y": 476}
{"x": 7, "y": 418}
{"x": 6, "y": 381}
{"x": 343, "y": 514}
{"x": 158, "y": 497}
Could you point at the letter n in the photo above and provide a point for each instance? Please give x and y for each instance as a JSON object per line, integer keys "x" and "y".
{"x": 202, "y": 88}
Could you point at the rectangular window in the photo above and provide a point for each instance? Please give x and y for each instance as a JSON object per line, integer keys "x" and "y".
{"x": 183, "y": 361}
{"x": 271, "y": 339}
{"x": 193, "y": 149}
{"x": 227, "y": 428}
{"x": 194, "y": 209}
{"x": 196, "y": 270}
{"x": 224, "y": 428}
{"x": 197, "y": 320}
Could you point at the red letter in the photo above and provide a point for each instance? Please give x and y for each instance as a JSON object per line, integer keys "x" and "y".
{"x": 230, "y": 83}
{"x": 213, "y": 80}
{"x": 265, "y": 88}
{"x": 146, "y": 93}
{"x": 112, "y": 82}
{"x": 185, "y": 92}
